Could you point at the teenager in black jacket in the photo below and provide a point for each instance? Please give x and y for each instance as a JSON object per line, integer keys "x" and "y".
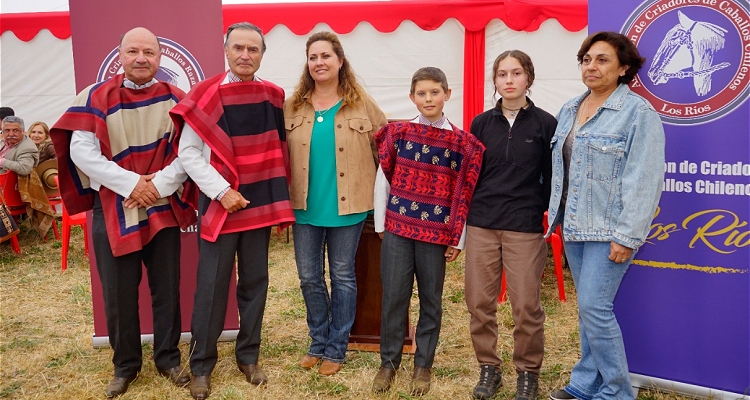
{"x": 504, "y": 226}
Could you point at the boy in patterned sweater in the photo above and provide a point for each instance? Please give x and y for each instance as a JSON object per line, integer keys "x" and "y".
{"x": 428, "y": 171}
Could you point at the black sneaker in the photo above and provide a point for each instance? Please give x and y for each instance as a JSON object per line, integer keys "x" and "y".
{"x": 490, "y": 379}
{"x": 561, "y": 395}
{"x": 528, "y": 386}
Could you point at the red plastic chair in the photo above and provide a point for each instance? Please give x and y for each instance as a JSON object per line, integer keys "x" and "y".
{"x": 555, "y": 240}
{"x": 16, "y": 207}
{"x": 67, "y": 222}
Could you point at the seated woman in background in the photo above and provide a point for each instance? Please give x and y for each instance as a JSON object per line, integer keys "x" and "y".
{"x": 39, "y": 134}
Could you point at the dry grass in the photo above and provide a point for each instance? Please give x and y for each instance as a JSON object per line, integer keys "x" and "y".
{"x": 46, "y": 325}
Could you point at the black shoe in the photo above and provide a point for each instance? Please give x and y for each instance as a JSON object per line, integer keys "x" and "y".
{"x": 490, "y": 379}
{"x": 119, "y": 385}
{"x": 528, "y": 386}
{"x": 561, "y": 395}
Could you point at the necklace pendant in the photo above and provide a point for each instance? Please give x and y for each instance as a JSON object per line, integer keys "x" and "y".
{"x": 512, "y": 113}
{"x": 320, "y": 118}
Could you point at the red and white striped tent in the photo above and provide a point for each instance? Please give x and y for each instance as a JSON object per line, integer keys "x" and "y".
{"x": 386, "y": 41}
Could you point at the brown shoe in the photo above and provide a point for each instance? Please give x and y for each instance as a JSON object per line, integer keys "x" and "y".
{"x": 308, "y": 361}
{"x": 253, "y": 374}
{"x": 119, "y": 385}
{"x": 178, "y": 375}
{"x": 200, "y": 387}
{"x": 420, "y": 381}
{"x": 383, "y": 379}
{"x": 328, "y": 368}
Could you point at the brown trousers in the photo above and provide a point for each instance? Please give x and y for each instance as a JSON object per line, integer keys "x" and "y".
{"x": 523, "y": 256}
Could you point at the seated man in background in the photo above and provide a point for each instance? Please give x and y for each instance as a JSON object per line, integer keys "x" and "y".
{"x": 17, "y": 153}
{"x": 20, "y": 155}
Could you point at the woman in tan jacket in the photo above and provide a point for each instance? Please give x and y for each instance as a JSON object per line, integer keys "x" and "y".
{"x": 330, "y": 122}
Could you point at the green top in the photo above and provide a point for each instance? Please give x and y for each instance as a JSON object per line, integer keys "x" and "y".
{"x": 322, "y": 193}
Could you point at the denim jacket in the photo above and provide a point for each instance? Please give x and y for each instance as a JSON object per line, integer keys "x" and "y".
{"x": 616, "y": 171}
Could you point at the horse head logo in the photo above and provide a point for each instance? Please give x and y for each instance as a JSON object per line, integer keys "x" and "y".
{"x": 687, "y": 51}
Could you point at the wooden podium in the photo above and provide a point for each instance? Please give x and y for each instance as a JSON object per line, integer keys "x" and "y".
{"x": 365, "y": 334}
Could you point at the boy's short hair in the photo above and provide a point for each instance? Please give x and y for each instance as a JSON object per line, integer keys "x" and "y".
{"x": 429, "y": 74}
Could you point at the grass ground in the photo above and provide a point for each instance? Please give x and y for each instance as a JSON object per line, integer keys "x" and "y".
{"x": 46, "y": 323}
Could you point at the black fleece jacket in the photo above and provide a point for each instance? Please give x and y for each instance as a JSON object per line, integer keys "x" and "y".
{"x": 514, "y": 186}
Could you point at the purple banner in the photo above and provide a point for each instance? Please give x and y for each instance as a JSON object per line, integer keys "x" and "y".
{"x": 684, "y": 305}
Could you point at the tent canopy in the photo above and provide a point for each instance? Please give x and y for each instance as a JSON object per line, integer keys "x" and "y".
{"x": 343, "y": 17}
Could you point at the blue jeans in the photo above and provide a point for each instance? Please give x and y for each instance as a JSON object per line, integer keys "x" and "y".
{"x": 602, "y": 371}
{"x": 329, "y": 317}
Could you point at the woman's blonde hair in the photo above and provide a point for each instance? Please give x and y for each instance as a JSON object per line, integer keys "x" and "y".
{"x": 45, "y": 128}
{"x": 349, "y": 89}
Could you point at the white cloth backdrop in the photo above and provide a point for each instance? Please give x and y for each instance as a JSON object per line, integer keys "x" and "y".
{"x": 36, "y": 77}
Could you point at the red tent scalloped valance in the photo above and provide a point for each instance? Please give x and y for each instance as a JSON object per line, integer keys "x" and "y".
{"x": 385, "y": 16}
{"x": 26, "y": 25}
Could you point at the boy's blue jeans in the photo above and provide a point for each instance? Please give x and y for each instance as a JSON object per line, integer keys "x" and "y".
{"x": 329, "y": 317}
{"x": 401, "y": 259}
{"x": 602, "y": 371}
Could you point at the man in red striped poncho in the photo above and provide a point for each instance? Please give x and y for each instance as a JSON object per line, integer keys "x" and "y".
{"x": 115, "y": 148}
{"x": 233, "y": 146}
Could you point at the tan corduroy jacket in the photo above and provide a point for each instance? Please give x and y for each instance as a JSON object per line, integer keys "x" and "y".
{"x": 356, "y": 153}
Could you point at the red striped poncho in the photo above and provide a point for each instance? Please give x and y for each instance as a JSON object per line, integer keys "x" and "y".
{"x": 433, "y": 173}
{"x": 134, "y": 130}
{"x": 243, "y": 124}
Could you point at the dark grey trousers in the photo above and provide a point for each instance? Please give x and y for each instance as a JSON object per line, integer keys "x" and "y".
{"x": 401, "y": 259}
{"x": 215, "y": 266}
{"x": 120, "y": 277}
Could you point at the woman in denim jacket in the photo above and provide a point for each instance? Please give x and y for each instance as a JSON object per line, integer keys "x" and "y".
{"x": 330, "y": 125}
{"x": 607, "y": 174}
